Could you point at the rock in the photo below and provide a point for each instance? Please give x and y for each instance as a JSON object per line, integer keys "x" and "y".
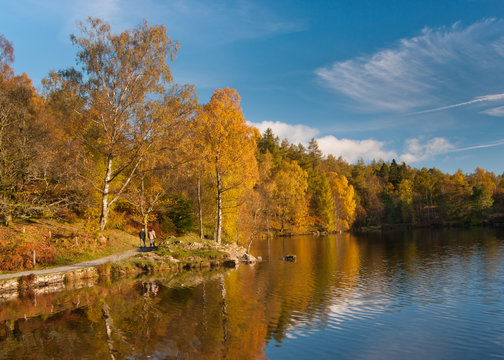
{"x": 194, "y": 245}
{"x": 248, "y": 259}
{"x": 291, "y": 258}
{"x": 171, "y": 259}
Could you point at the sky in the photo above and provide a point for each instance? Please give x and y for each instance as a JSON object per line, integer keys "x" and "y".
{"x": 416, "y": 81}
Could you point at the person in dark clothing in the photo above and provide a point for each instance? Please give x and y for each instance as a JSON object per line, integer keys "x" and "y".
{"x": 142, "y": 238}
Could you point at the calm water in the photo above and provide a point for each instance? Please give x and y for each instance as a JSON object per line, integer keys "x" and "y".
{"x": 415, "y": 295}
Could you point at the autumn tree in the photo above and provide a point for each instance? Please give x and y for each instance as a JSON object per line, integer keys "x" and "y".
{"x": 405, "y": 192}
{"x": 264, "y": 189}
{"x": 229, "y": 149}
{"x": 6, "y": 55}
{"x": 452, "y": 195}
{"x": 169, "y": 152}
{"x": 27, "y": 144}
{"x": 126, "y": 80}
{"x": 289, "y": 196}
{"x": 258, "y": 207}
{"x": 344, "y": 202}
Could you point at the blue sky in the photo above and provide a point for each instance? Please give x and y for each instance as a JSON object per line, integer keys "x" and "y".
{"x": 418, "y": 81}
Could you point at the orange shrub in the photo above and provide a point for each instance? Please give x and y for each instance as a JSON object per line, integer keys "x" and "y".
{"x": 15, "y": 256}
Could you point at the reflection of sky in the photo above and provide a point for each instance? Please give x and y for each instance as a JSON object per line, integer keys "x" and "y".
{"x": 441, "y": 304}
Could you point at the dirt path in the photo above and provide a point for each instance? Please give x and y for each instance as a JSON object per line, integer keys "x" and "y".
{"x": 103, "y": 260}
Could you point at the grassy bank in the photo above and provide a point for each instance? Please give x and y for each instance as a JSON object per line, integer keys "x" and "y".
{"x": 172, "y": 255}
{"x": 56, "y": 243}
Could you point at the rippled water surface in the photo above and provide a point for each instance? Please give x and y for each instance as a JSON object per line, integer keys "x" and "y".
{"x": 416, "y": 295}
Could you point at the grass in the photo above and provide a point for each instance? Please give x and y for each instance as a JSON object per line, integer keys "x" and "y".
{"x": 67, "y": 242}
{"x": 180, "y": 248}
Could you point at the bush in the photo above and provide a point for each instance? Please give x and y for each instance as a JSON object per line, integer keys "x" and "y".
{"x": 15, "y": 256}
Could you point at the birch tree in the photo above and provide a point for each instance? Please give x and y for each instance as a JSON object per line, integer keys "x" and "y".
{"x": 289, "y": 196}
{"x": 126, "y": 79}
{"x": 229, "y": 149}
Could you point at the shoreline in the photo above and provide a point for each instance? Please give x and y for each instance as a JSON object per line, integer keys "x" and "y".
{"x": 132, "y": 262}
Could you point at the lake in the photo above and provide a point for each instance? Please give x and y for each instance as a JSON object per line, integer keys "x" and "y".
{"x": 423, "y": 294}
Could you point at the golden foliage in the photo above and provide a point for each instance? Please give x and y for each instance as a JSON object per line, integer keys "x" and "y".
{"x": 289, "y": 196}
{"x": 344, "y": 202}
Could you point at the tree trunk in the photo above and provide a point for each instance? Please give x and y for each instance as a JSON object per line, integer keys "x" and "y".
{"x": 105, "y": 194}
{"x": 145, "y": 213}
{"x": 335, "y": 215}
{"x": 145, "y": 223}
{"x": 218, "y": 227}
{"x": 250, "y": 243}
{"x": 200, "y": 210}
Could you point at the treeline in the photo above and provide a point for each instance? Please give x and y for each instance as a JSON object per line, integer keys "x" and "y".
{"x": 116, "y": 141}
{"x": 386, "y": 192}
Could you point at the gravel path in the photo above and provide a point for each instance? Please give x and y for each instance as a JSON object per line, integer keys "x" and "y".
{"x": 103, "y": 260}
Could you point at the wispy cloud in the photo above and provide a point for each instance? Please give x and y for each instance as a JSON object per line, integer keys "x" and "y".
{"x": 437, "y": 67}
{"x": 479, "y": 99}
{"x": 221, "y": 21}
{"x": 497, "y": 111}
{"x": 481, "y": 146}
{"x": 203, "y": 22}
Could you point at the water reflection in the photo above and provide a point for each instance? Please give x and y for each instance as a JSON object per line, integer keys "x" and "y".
{"x": 422, "y": 294}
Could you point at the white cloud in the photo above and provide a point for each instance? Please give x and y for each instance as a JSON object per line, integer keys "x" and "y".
{"x": 417, "y": 151}
{"x": 294, "y": 133}
{"x": 348, "y": 149}
{"x": 439, "y": 66}
{"x": 353, "y": 150}
{"x": 497, "y": 111}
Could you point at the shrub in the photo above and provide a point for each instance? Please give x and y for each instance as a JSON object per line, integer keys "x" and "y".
{"x": 17, "y": 255}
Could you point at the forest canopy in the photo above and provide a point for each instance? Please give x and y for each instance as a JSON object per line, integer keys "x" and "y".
{"x": 118, "y": 137}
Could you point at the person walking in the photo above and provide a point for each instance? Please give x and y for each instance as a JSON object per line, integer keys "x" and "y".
{"x": 142, "y": 237}
{"x": 152, "y": 237}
